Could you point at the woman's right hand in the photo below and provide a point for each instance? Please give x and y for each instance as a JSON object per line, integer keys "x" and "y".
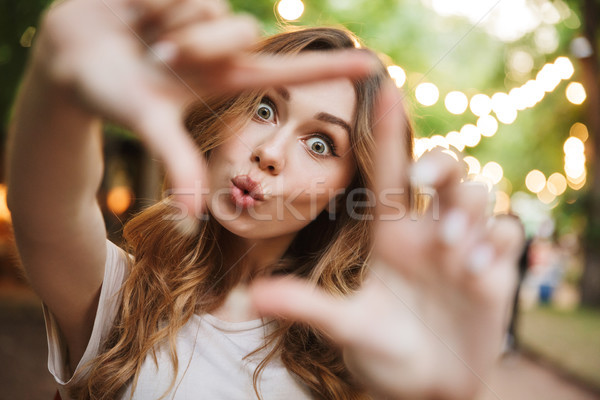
{"x": 139, "y": 62}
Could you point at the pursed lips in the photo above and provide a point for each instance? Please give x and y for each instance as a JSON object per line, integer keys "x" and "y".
{"x": 245, "y": 192}
{"x": 248, "y": 187}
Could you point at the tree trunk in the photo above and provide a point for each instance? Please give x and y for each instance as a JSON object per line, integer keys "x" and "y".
{"x": 590, "y": 282}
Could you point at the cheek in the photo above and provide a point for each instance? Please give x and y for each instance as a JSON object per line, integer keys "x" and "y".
{"x": 225, "y": 152}
{"x": 319, "y": 188}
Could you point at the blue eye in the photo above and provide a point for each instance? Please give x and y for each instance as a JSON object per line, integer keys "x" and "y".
{"x": 265, "y": 110}
{"x": 319, "y": 146}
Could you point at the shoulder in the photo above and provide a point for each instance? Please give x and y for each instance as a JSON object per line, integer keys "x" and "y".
{"x": 115, "y": 273}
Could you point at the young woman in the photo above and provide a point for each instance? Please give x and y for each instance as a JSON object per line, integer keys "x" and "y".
{"x": 284, "y": 261}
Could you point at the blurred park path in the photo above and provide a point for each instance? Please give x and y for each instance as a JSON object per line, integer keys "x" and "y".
{"x": 519, "y": 378}
{"x": 23, "y": 347}
{"x": 24, "y": 374}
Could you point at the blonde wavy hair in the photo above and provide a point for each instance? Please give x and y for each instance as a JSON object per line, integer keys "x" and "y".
{"x": 175, "y": 276}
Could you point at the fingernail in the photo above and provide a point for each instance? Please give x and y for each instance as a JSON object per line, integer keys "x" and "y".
{"x": 480, "y": 258}
{"x": 424, "y": 173}
{"x": 475, "y": 184}
{"x": 454, "y": 226}
{"x": 164, "y": 51}
{"x": 187, "y": 226}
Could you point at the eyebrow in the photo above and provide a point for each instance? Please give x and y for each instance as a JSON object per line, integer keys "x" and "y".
{"x": 332, "y": 119}
{"x": 283, "y": 92}
{"x": 322, "y": 116}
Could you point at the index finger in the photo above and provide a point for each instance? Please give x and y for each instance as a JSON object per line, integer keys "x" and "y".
{"x": 261, "y": 71}
{"x": 392, "y": 138}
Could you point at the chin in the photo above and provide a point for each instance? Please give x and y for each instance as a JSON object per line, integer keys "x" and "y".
{"x": 242, "y": 228}
{"x": 255, "y": 223}
{"x": 247, "y": 227}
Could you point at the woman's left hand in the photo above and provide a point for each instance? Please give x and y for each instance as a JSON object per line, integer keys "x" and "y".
{"x": 428, "y": 322}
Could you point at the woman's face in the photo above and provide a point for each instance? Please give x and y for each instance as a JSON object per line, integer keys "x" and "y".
{"x": 275, "y": 175}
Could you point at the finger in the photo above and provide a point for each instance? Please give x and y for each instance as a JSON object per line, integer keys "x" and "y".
{"x": 160, "y": 126}
{"x": 269, "y": 70}
{"x": 210, "y": 41}
{"x": 438, "y": 170}
{"x": 507, "y": 235}
{"x": 461, "y": 208}
{"x": 189, "y": 11}
{"x": 299, "y": 301}
{"x": 146, "y": 10}
{"x": 493, "y": 261}
{"x": 157, "y": 10}
{"x": 392, "y": 163}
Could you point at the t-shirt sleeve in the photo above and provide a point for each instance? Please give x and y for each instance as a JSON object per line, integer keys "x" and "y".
{"x": 115, "y": 272}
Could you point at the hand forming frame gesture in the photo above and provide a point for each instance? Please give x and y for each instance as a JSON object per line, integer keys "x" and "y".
{"x": 428, "y": 321}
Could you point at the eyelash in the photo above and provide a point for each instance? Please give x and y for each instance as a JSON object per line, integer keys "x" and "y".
{"x": 329, "y": 142}
{"x": 267, "y": 100}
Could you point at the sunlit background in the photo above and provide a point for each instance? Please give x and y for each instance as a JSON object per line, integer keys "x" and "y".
{"x": 508, "y": 87}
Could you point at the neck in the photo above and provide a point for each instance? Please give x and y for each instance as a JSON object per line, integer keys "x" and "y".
{"x": 253, "y": 257}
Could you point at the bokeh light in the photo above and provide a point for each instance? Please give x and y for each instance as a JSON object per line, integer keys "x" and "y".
{"x": 503, "y": 107}
{"x": 119, "y": 199}
{"x": 420, "y": 147}
{"x": 557, "y": 184}
{"x": 290, "y": 9}
{"x": 502, "y": 205}
{"x": 546, "y": 39}
{"x": 574, "y": 160}
{"x": 4, "y": 211}
{"x": 456, "y": 102}
{"x": 532, "y": 92}
{"x": 545, "y": 196}
{"x": 494, "y": 171}
{"x": 521, "y": 62}
{"x": 488, "y": 125}
{"x": 518, "y": 98}
{"x": 507, "y": 116}
{"x": 577, "y": 183}
{"x": 427, "y": 94}
{"x": 397, "y": 74}
{"x": 535, "y": 181}
{"x": 548, "y": 77}
{"x": 480, "y": 104}
{"x": 454, "y": 139}
{"x": 505, "y": 185}
{"x": 470, "y": 135}
{"x": 580, "y": 131}
{"x": 438, "y": 141}
{"x": 573, "y": 145}
{"x": 574, "y": 165}
{"x": 576, "y": 93}
{"x": 473, "y": 164}
{"x": 565, "y": 67}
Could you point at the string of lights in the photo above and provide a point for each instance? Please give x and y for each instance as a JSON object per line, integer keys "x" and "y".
{"x": 491, "y": 111}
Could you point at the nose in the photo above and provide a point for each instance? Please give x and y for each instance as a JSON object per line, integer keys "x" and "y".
{"x": 270, "y": 154}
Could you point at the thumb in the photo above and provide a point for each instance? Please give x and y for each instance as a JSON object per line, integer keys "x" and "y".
{"x": 161, "y": 128}
{"x": 300, "y": 301}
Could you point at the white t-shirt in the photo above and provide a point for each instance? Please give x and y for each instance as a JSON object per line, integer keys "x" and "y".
{"x": 211, "y": 353}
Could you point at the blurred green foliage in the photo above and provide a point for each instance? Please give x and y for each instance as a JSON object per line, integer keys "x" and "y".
{"x": 15, "y": 17}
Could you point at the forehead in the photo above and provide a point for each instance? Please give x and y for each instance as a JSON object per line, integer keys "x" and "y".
{"x": 336, "y": 97}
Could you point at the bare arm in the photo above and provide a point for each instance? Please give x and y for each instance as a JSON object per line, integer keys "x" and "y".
{"x": 54, "y": 170}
